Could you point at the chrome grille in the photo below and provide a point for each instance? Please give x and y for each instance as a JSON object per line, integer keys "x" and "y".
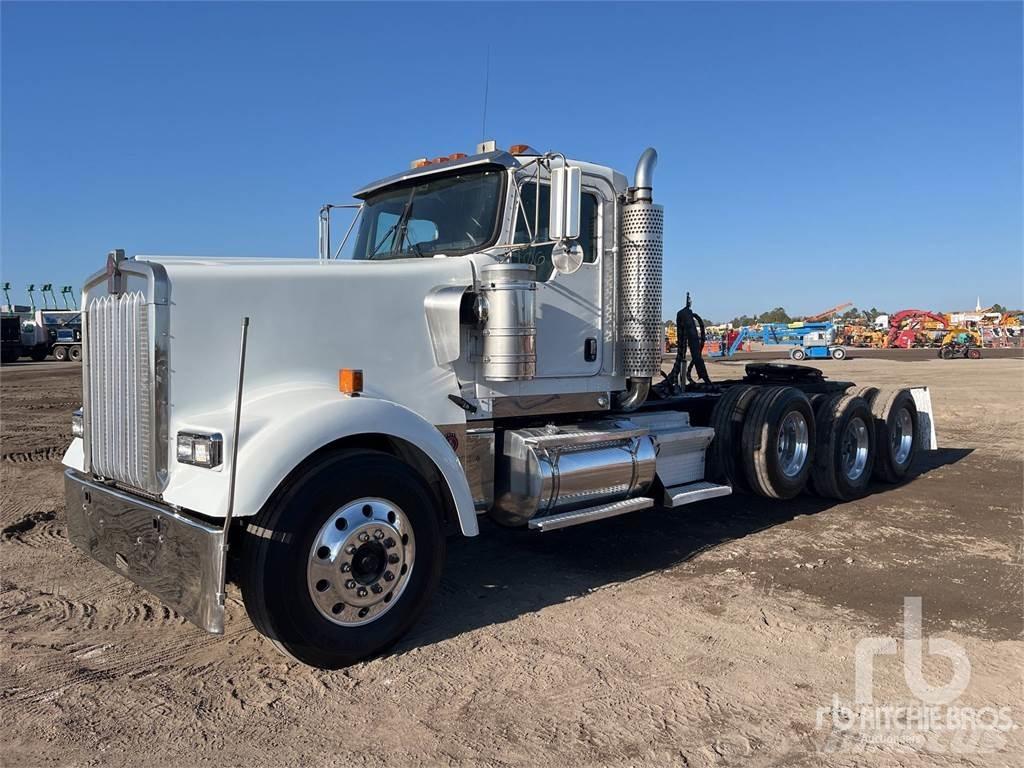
{"x": 119, "y": 396}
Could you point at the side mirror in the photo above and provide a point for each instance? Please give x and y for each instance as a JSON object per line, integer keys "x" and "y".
{"x": 564, "y": 217}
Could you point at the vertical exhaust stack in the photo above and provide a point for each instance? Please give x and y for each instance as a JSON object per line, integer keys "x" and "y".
{"x": 640, "y": 265}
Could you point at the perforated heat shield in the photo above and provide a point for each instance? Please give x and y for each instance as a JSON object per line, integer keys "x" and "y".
{"x": 640, "y": 281}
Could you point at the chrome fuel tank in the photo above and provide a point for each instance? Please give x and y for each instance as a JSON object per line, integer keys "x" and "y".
{"x": 551, "y": 469}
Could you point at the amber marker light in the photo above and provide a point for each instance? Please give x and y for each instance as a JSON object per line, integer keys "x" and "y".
{"x": 350, "y": 381}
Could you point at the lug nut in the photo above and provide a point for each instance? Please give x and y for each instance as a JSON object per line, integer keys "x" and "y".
{"x": 389, "y": 576}
{"x": 361, "y": 592}
{"x": 377, "y": 589}
{"x": 350, "y": 549}
{"x": 393, "y": 558}
{"x": 350, "y": 584}
{"x": 378, "y": 534}
{"x": 346, "y": 567}
{"x": 389, "y": 542}
{"x": 364, "y": 536}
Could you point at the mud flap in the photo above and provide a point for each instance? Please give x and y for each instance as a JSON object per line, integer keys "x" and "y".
{"x": 925, "y": 419}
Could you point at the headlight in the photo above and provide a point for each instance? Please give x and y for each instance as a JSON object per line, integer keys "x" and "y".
{"x": 201, "y": 450}
{"x": 77, "y": 424}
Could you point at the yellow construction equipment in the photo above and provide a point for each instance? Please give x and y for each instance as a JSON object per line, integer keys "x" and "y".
{"x": 961, "y": 342}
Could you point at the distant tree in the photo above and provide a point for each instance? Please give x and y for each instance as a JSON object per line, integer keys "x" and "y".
{"x": 998, "y": 308}
{"x": 777, "y": 315}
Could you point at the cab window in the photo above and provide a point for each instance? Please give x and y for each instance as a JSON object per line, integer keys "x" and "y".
{"x": 540, "y": 256}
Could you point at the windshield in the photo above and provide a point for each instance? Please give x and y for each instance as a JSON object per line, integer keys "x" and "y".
{"x": 70, "y": 318}
{"x": 449, "y": 215}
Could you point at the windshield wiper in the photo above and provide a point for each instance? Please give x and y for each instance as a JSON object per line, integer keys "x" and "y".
{"x": 400, "y": 225}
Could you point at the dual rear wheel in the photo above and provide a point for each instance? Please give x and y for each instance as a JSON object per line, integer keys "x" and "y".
{"x": 776, "y": 442}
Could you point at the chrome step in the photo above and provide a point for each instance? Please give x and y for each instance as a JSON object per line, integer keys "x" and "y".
{"x": 678, "y": 495}
{"x": 565, "y": 519}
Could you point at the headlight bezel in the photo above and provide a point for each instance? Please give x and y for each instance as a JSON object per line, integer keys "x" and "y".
{"x": 77, "y": 424}
{"x": 200, "y": 449}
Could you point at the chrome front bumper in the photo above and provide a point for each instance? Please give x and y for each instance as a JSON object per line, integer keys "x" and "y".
{"x": 178, "y": 559}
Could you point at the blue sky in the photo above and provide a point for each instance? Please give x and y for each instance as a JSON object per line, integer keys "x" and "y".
{"x": 810, "y": 153}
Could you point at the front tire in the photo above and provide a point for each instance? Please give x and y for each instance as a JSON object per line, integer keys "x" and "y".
{"x": 838, "y": 353}
{"x": 343, "y": 559}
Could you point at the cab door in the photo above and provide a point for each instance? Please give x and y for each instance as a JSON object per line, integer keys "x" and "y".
{"x": 569, "y": 307}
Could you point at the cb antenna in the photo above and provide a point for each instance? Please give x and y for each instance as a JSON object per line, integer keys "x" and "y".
{"x": 487, "y": 85}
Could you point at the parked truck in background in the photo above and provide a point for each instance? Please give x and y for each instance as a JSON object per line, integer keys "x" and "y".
{"x": 56, "y": 332}
{"x": 10, "y": 333}
{"x": 492, "y": 348}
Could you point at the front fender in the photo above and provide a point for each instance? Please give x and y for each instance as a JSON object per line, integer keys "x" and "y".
{"x": 281, "y": 429}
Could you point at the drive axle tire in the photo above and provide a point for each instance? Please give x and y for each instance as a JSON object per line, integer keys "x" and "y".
{"x": 778, "y": 442}
{"x": 897, "y": 437}
{"x": 343, "y": 558}
{"x": 724, "y": 465}
{"x": 75, "y": 354}
{"x": 845, "y": 449}
{"x": 60, "y": 354}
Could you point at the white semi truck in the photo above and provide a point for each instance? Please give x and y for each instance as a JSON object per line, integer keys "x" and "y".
{"x": 493, "y": 347}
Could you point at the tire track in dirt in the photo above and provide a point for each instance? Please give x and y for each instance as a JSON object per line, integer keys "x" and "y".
{"x": 50, "y": 453}
{"x": 18, "y": 531}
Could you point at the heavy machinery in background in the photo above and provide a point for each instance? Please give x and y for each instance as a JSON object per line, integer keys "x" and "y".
{"x": 857, "y": 335}
{"x": 322, "y": 472}
{"x": 791, "y": 334}
{"x": 961, "y": 342}
{"x": 832, "y": 313}
{"x": 48, "y": 330}
{"x": 818, "y": 345}
{"x": 914, "y": 328}
{"x": 671, "y": 338}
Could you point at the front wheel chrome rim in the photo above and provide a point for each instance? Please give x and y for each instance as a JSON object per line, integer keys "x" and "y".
{"x": 902, "y": 436}
{"x": 854, "y": 450}
{"x": 360, "y": 561}
{"x": 793, "y": 444}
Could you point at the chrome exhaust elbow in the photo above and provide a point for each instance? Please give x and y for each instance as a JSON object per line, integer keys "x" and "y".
{"x": 634, "y": 396}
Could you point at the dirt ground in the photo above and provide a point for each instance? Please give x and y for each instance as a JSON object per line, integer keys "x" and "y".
{"x": 718, "y": 634}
